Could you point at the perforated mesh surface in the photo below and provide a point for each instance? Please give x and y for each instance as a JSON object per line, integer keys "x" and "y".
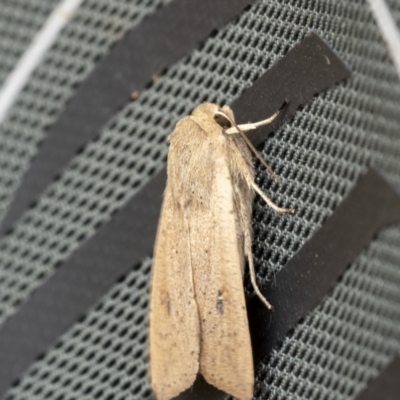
{"x": 319, "y": 155}
{"x": 394, "y": 7}
{"x": 96, "y": 25}
{"x": 347, "y": 340}
{"x": 105, "y": 357}
{"x": 19, "y": 20}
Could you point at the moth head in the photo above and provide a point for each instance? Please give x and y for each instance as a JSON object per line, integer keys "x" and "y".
{"x": 223, "y": 116}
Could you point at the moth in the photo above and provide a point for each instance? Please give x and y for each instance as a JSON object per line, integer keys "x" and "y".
{"x": 198, "y": 319}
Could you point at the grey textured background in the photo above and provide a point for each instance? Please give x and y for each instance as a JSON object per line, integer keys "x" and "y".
{"x": 19, "y": 19}
{"x": 319, "y": 156}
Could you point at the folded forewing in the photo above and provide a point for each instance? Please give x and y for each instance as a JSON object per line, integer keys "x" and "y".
{"x": 225, "y": 351}
{"x": 174, "y": 324}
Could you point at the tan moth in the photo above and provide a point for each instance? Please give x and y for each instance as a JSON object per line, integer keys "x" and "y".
{"x": 198, "y": 319}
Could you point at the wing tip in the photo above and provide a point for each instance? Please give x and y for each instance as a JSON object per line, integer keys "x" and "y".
{"x": 169, "y": 390}
{"x": 241, "y": 390}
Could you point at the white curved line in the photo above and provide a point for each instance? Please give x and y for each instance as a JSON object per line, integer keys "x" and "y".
{"x": 34, "y": 54}
{"x": 389, "y": 29}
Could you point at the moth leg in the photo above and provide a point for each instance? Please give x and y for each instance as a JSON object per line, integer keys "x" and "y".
{"x": 253, "y": 149}
{"x": 271, "y": 203}
{"x": 240, "y": 129}
{"x": 247, "y": 241}
{"x": 254, "y": 283}
{"x": 249, "y": 255}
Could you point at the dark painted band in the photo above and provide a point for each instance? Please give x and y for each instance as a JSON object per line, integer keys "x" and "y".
{"x": 386, "y": 386}
{"x": 125, "y": 240}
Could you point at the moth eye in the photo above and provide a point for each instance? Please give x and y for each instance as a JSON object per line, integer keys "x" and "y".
{"x": 222, "y": 121}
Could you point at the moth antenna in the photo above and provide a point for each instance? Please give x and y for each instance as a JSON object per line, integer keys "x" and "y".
{"x": 246, "y": 139}
{"x": 254, "y": 125}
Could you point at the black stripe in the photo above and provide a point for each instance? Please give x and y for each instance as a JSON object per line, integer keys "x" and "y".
{"x": 157, "y": 43}
{"x": 386, "y": 386}
{"x": 95, "y": 267}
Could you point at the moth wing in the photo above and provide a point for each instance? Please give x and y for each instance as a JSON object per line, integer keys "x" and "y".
{"x": 174, "y": 324}
{"x": 226, "y": 359}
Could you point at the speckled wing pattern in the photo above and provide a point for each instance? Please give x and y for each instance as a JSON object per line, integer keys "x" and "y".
{"x": 174, "y": 322}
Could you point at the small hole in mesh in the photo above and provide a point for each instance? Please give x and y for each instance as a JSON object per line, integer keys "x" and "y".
{"x": 88, "y": 390}
{"x": 9, "y": 231}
